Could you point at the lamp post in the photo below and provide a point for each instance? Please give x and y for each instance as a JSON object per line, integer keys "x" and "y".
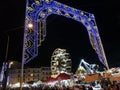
{"x": 29, "y": 26}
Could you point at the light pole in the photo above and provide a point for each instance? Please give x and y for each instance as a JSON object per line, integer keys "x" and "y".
{"x": 29, "y": 26}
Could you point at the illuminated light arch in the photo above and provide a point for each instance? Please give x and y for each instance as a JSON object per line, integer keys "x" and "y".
{"x": 37, "y": 12}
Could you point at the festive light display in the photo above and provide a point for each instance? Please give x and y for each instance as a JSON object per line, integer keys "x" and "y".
{"x": 60, "y": 62}
{"x": 36, "y": 13}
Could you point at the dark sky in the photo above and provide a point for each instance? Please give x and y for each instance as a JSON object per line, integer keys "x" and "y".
{"x": 62, "y": 32}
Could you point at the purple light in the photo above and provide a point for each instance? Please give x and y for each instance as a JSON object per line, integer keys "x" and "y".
{"x": 38, "y": 12}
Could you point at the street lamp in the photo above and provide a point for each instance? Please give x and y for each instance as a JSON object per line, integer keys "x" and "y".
{"x": 30, "y": 25}
{"x": 9, "y": 67}
{"x": 11, "y": 63}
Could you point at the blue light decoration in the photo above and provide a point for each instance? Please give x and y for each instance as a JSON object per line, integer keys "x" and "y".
{"x": 4, "y": 66}
{"x": 37, "y": 12}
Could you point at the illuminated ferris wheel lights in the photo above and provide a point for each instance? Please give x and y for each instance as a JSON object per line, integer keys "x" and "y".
{"x": 30, "y": 25}
{"x": 60, "y": 61}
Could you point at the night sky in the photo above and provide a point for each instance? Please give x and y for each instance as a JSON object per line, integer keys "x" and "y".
{"x": 63, "y": 32}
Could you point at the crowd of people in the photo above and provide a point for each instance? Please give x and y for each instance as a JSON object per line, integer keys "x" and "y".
{"x": 105, "y": 84}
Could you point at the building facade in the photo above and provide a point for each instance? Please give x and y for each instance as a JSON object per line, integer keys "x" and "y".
{"x": 29, "y": 74}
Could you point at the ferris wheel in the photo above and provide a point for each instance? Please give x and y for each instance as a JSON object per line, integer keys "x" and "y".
{"x": 60, "y": 62}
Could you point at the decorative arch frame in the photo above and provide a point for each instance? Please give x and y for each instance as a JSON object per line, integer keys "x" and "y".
{"x": 37, "y": 12}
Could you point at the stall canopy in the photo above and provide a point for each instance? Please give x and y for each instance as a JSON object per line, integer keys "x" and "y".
{"x": 50, "y": 80}
{"x": 92, "y": 77}
{"x": 63, "y": 76}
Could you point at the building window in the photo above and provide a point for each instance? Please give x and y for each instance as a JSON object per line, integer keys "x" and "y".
{"x": 28, "y": 79}
{"x": 28, "y": 70}
{"x": 31, "y": 74}
{"x": 18, "y": 75}
{"x": 23, "y": 80}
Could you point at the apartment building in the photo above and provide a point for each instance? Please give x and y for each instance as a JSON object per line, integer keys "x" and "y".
{"x": 29, "y": 74}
